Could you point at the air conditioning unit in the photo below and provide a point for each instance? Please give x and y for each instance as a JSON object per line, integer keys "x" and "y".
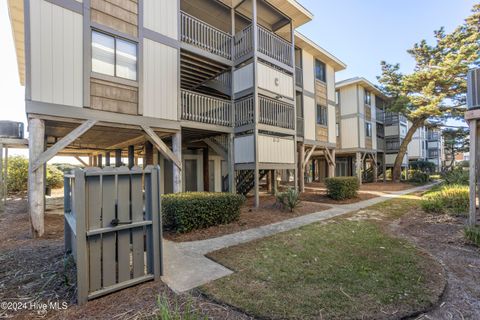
{"x": 11, "y": 130}
{"x": 473, "y": 93}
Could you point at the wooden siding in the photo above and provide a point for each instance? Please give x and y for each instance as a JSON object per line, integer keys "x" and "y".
{"x": 243, "y": 78}
{"x": 244, "y": 152}
{"x": 275, "y": 81}
{"x": 56, "y": 54}
{"x": 160, "y": 79}
{"x": 161, "y": 17}
{"x": 368, "y": 143}
{"x": 113, "y": 97}
{"x": 121, "y": 15}
{"x": 320, "y": 93}
{"x": 309, "y": 117}
{"x": 368, "y": 113}
{"x": 322, "y": 133}
{"x": 275, "y": 150}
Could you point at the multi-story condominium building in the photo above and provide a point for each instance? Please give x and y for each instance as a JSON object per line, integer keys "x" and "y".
{"x": 204, "y": 88}
{"x": 396, "y": 128}
{"x": 316, "y": 110}
{"x": 357, "y": 138}
{"x": 435, "y": 150}
{"x": 417, "y": 148}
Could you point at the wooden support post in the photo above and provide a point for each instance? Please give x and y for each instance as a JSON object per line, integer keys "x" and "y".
{"x": 474, "y": 158}
{"x": 314, "y": 170}
{"x": 36, "y": 178}
{"x": 177, "y": 172}
{"x": 90, "y": 161}
{"x": 107, "y": 159}
{"x": 148, "y": 157}
{"x": 118, "y": 158}
{"x": 331, "y": 164}
{"x": 5, "y": 177}
{"x": 2, "y": 206}
{"x": 231, "y": 163}
{"x": 100, "y": 160}
{"x": 358, "y": 166}
{"x": 95, "y": 161}
{"x": 384, "y": 164}
{"x": 301, "y": 167}
{"x": 256, "y": 175}
{"x": 375, "y": 167}
{"x": 273, "y": 179}
{"x": 206, "y": 173}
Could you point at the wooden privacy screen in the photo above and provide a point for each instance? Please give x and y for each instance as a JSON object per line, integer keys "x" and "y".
{"x": 113, "y": 228}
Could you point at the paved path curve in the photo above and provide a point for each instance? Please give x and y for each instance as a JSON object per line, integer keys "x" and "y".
{"x": 185, "y": 264}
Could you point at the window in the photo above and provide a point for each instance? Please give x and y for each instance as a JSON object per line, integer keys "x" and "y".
{"x": 433, "y": 153}
{"x": 368, "y": 129}
{"x": 368, "y": 97}
{"x": 337, "y": 97}
{"x": 322, "y": 115}
{"x": 113, "y": 56}
{"x": 337, "y": 129}
{"x": 320, "y": 71}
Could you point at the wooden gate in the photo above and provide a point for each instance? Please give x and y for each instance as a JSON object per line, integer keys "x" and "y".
{"x": 113, "y": 228}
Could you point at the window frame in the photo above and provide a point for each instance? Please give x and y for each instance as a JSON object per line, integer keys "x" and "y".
{"x": 321, "y": 63}
{"x": 322, "y": 111}
{"x": 368, "y": 130}
{"x": 115, "y": 38}
{"x": 367, "y": 97}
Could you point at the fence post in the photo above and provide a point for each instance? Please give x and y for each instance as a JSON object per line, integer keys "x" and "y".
{"x": 82, "y": 255}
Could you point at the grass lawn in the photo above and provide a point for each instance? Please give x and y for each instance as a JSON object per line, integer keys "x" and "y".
{"x": 341, "y": 269}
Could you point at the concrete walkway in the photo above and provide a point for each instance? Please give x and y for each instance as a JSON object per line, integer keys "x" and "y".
{"x": 185, "y": 264}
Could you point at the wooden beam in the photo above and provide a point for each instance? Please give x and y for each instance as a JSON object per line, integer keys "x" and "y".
{"x": 62, "y": 144}
{"x": 308, "y": 156}
{"x": 162, "y": 147}
{"x": 36, "y": 179}
{"x": 81, "y": 161}
{"x": 125, "y": 144}
{"x": 216, "y": 147}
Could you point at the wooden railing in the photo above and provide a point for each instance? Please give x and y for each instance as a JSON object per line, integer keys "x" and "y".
{"x": 276, "y": 113}
{"x": 274, "y": 46}
{"x": 244, "y": 113}
{"x": 243, "y": 42}
{"x": 200, "y": 34}
{"x": 206, "y": 109}
{"x": 299, "y": 76}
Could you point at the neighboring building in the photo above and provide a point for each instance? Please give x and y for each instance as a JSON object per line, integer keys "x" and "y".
{"x": 462, "y": 156}
{"x": 417, "y": 148}
{"x": 396, "y": 128}
{"x": 435, "y": 151}
{"x": 316, "y": 119}
{"x": 357, "y": 149}
{"x": 206, "y": 83}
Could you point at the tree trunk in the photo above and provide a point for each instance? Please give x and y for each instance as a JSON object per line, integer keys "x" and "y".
{"x": 397, "y": 166}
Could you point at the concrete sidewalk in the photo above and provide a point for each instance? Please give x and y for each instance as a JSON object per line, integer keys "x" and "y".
{"x": 185, "y": 264}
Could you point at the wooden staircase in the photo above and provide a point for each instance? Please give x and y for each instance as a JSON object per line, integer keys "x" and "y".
{"x": 245, "y": 180}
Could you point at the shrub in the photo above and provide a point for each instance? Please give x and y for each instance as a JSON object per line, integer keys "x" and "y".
{"x": 473, "y": 235}
{"x": 17, "y": 179}
{"x": 450, "y": 199}
{"x": 340, "y": 188}
{"x": 289, "y": 199}
{"x": 54, "y": 177}
{"x": 456, "y": 176}
{"x": 423, "y": 166}
{"x": 184, "y": 212}
{"x": 418, "y": 177}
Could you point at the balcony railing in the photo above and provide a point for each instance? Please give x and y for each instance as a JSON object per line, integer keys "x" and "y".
{"x": 244, "y": 113}
{"x": 299, "y": 76}
{"x": 206, "y": 109}
{"x": 200, "y": 34}
{"x": 243, "y": 42}
{"x": 274, "y": 46}
{"x": 380, "y": 115}
{"x": 276, "y": 113}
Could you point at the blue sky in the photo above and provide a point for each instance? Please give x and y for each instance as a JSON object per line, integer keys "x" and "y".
{"x": 359, "y": 32}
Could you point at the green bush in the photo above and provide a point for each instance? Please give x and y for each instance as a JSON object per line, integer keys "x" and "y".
{"x": 450, "y": 199}
{"x": 418, "y": 177}
{"x": 340, "y": 188}
{"x": 456, "y": 176}
{"x": 423, "y": 166}
{"x": 473, "y": 235}
{"x": 54, "y": 177}
{"x": 184, "y": 212}
{"x": 17, "y": 179}
{"x": 289, "y": 199}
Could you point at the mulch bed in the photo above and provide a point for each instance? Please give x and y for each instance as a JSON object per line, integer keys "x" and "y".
{"x": 250, "y": 217}
{"x": 321, "y": 197}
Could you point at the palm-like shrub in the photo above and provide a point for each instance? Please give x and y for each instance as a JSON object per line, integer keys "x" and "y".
{"x": 289, "y": 199}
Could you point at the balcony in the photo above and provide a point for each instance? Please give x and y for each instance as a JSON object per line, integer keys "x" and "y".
{"x": 271, "y": 112}
{"x": 433, "y": 136}
{"x": 380, "y": 115}
{"x": 206, "y": 109}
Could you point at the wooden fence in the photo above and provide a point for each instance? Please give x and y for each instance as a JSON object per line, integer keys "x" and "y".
{"x": 113, "y": 228}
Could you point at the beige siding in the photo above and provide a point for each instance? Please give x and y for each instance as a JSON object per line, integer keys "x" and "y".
{"x": 309, "y": 116}
{"x": 275, "y": 150}
{"x": 330, "y": 83}
{"x": 244, "y": 152}
{"x": 160, "y": 78}
{"x": 243, "y": 78}
{"x": 332, "y": 138}
{"x": 275, "y": 81}
{"x": 308, "y": 69}
{"x": 121, "y": 15}
{"x": 348, "y": 100}
{"x": 161, "y": 17}
{"x": 349, "y": 132}
{"x": 56, "y": 54}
